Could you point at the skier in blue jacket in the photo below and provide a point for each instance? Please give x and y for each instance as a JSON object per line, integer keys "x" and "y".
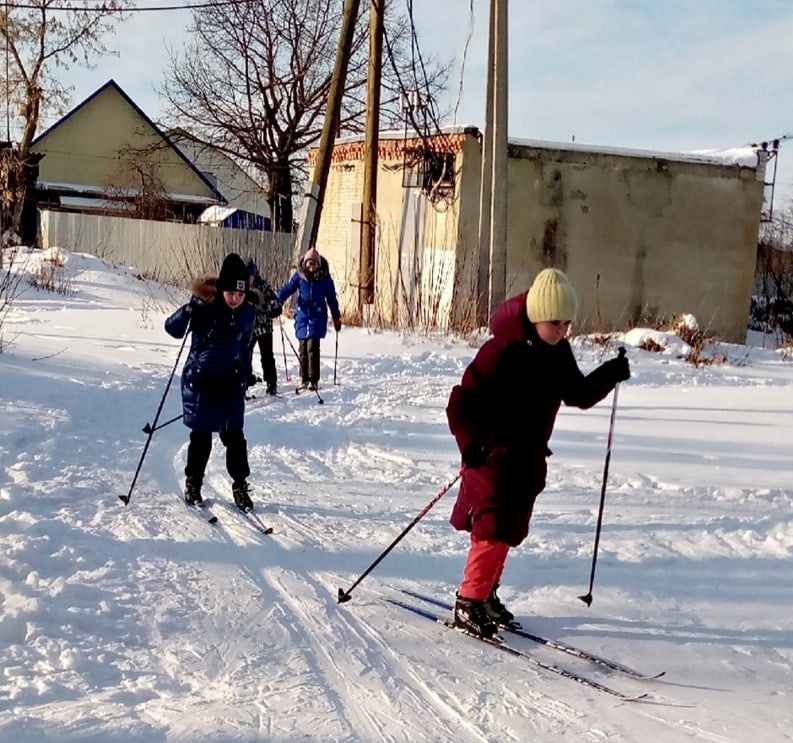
{"x": 216, "y": 374}
{"x": 317, "y": 293}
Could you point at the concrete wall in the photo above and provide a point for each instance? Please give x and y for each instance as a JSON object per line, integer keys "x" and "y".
{"x": 467, "y": 292}
{"x": 338, "y": 238}
{"x": 415, "y": 240}
{"x": 641, "y": 238}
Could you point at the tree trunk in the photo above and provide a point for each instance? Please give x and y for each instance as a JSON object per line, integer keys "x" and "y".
{"x": 279, "y": 197}
{"x": 23, "y": 163}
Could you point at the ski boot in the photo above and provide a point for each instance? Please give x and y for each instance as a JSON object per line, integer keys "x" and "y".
{"x": 498, "y": 612}
{"x": 241, "y": 498}
{"x": 192, "y": 492}
{"x": 471, "y": 615}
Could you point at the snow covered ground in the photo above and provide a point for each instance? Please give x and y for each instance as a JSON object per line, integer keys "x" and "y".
{"x": 145, "y": 623}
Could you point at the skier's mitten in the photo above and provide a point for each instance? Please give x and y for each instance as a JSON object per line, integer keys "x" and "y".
{"x": 337, "y": 324}
{"x": 618, "y": 368}
{"x": 194, "y": 303}
{"x": 474, "y": 455}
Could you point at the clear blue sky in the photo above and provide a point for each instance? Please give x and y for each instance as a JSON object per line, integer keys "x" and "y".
{"x": 670, "y": 75}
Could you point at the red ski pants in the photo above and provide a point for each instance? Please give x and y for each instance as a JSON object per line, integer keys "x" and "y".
{"x": 486, "y": 558}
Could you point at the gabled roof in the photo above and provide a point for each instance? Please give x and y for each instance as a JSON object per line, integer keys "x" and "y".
{"x": 240, "y": 189}
{"x": 115, "y": 86}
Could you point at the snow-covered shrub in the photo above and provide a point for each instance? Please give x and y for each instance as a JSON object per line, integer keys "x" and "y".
{"x": 51, "y": 273}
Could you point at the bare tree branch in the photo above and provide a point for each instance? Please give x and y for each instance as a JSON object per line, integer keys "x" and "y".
{"x": 38, "y": 40}
{"x": 254, "y": 83}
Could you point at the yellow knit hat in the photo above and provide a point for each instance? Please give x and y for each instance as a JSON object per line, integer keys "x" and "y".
{"x": 551, "y": 297}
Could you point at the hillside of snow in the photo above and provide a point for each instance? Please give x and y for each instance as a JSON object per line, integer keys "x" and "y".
{"x": 147, "y": 624}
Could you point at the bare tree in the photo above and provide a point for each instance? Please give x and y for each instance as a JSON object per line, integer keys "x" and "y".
{"x": 772, "y": 303}
{"x": 141, "y": 188}
{"x": 254, "y": 83}
{"x": 38, "y": 37}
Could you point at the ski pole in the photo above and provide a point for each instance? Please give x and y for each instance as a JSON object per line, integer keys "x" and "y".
{"x": 148, "y": 428}
{"x": 125, "y": 498}
{"x": 345, "y": 595}
{"x": 336, "y": 360}
{"x": 292, "y": 346}
{"x": 587, "y": 598}
{"x": 283, "y": 346}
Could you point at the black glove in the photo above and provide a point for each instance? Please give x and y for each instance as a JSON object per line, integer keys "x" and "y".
{"x": 194, "y": 303}
{"x": 337, "y": 324}
{"x": 474, "y": 455}
{"x": 618, "y": 369}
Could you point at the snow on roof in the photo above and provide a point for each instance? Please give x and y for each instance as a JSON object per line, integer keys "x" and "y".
{"x": 402, "y": 134}
{"x": 743, "y": 156}
{"x": 86, "y": 202}
{"x": 121, "y": 192}
{"x": 216, "y": 214}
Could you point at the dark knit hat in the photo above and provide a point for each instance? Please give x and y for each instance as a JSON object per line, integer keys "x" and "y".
{"x": 234, "y": 275}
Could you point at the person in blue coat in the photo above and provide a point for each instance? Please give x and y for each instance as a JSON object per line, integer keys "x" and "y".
{"x": 316, "y": 293}
{"x": 216, "y": 374}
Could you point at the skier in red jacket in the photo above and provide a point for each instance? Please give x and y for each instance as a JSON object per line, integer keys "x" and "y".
{"x": 502, "y": 415}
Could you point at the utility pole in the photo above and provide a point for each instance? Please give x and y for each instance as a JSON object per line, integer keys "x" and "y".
{"x": 371, "y": 145}
{"x": 498, "y": 210}
{"x": 315, "y": 193}
{"x": 7, "y": 45}
{"x": 486, "y": 183}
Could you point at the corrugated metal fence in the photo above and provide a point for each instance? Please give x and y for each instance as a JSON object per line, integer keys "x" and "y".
{"x": 168, "y": 252}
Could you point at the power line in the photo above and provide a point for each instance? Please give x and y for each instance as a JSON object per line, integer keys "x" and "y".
{"x": 772, "y": 141}
{"x": 105, "y": 10}
{"x": 465, "y": 57}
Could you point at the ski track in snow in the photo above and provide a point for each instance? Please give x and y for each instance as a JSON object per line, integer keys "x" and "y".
{"x": 145, "y": 623}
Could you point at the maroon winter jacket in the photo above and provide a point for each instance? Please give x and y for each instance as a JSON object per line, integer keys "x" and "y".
{"x": 507, "y": 401}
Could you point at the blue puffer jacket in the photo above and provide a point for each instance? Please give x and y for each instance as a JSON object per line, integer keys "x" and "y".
{"x": 219, "y": 362}
{"x": 317, "y": 292}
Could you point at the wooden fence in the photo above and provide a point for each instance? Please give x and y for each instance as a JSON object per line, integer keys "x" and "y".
{"x": 172, "y": 253}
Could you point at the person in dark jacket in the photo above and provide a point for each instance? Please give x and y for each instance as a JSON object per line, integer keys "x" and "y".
{"x": 268, "y": 307}
{"x": 215, "y": 375}
{"x": 316, "y": 293}
{"x": 502, "y": 415}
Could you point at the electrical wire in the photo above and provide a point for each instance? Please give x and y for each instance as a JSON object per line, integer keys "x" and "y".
{"x": 465, "y": 57}
{"x": 436, "y": 145}
{"x": 121, "y": 9}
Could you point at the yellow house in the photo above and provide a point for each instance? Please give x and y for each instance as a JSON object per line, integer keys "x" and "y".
{"x": 643, "y": 235}
{"x": 107, "y": 156}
